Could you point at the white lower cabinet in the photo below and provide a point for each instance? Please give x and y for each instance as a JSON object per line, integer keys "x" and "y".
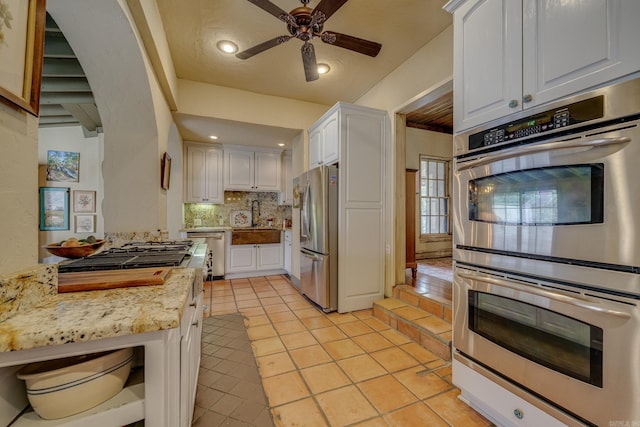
{"x": 287, "y": 251}
{"x": 164, "y": 396}
{"x": 254, "y": 258}
{"x": 190, "y": 343}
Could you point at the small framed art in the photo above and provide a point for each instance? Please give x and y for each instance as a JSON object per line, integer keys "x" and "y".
{"x": 62, "y": 166}
{"x": 85, "y": 224}
{"x": 84, "y": 201}
{"x": 54, "y": 208}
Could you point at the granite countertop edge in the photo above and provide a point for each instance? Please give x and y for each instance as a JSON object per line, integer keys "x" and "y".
{"x": 55, "y": 318}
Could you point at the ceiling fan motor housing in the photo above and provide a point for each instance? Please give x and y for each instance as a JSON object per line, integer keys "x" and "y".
{"x": 305, "y": 29}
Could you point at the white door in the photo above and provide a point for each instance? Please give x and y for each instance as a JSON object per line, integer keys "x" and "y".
{"x": 269, "y": 257}
{"x": 487, "y": 81}
{"x": 572, "y": 46}
{"x": 268, "y": 171}
{"x": 239, "y": 170}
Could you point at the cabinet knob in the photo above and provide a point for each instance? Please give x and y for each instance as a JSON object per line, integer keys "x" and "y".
{"x": 513, "y": 103}
{"x": 518, "y": 413}
{"x": 527, "y": 98}
{"x": 196, "y": 323}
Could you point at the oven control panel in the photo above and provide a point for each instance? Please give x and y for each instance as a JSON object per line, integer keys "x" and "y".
{"x": 547, "y": 121}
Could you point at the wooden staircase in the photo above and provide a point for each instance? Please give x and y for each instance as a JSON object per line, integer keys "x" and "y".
{"x": 424, "y": 318}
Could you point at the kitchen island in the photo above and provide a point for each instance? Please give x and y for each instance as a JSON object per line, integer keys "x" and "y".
{"x": 161, "y": 322}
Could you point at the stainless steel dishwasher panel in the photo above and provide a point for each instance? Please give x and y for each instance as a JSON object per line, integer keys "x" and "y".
{"x": 215, "y": 243}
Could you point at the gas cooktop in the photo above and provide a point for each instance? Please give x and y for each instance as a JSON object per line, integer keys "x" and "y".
{"x": 134, "y": 255}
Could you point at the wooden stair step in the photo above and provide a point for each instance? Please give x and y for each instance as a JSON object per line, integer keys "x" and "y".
{"x": 424, "y": 328}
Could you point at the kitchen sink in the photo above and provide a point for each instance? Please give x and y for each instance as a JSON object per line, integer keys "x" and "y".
{"x": 255, "y": 236}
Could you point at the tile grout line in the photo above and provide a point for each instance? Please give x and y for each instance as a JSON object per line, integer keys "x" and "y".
{"x": 313, "y": 395}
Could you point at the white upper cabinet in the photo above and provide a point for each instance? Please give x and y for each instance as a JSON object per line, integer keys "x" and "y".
{"x": 247, "y": 170}
{"x": 510, "y": 55}
{"x": 324, "y": 141}
{"x": 204, "y": 174}
{"x": 286, "y": 195}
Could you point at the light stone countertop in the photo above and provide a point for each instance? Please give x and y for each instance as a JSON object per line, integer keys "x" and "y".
{"x": 84, "y": 316}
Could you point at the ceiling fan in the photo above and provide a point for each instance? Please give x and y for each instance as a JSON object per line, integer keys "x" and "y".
{"x": 305, "y": 24}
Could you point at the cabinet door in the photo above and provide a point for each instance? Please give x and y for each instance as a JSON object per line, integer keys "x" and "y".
{"x": 204, "y": 174}
{"x": 286, "y": 191}
{"x": 269, "y": 257}
{"x": 214, "y": 175}
{"x": 331, "y": 139}
{"x": 239, "y": 170}
{"x": 196, "y": 174}
{"x": 287, "y": 251}
{"x": 487, "y": 81}
{"x": 268, "y": 171}
{"x": 572, "y": 46}
{"x": 241, "y": 258}
{"x": 315, "y": 148}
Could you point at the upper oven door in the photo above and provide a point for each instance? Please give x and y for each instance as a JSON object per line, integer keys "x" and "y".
{"x": 552, "y": 200}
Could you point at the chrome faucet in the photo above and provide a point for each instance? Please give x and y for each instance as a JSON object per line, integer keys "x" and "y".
{"x": 254, "y": 217}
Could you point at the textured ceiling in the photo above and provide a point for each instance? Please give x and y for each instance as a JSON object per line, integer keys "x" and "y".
{"x": 193, "y": 27}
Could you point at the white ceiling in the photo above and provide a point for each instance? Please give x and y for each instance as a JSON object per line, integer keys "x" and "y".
{"x": 193, "y": 28}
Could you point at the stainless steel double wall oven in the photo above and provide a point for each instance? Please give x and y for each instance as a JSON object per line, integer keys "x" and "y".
{"x": 547, "y": 254}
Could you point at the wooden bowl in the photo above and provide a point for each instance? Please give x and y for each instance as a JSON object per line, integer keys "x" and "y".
{"x": 75, "y": 251}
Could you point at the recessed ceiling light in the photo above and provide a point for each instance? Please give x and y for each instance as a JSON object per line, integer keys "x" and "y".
{"x": 323, "y": 68}
{"x": 227, "y": 46}
{"x": 281, "y": 144}
{"x": 213, "y": 136}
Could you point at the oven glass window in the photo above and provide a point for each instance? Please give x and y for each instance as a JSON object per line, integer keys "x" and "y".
{"x": 559, "y": 195}
{"x": 551, "y": 339}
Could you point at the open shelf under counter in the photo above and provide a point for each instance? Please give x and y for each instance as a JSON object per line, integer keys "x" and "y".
{"x": 124, "y": 408}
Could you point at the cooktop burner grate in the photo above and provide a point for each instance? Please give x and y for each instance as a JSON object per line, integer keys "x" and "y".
{"x": 128, "y": 257}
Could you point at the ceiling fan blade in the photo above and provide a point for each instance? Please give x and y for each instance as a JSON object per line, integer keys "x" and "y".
{"x": 309, "y": 62}
{"x": 356, "y": 44}
{"x": 246, "y": 54}
{"x": 328, "y": 7}
{"x": 267, "y": 6}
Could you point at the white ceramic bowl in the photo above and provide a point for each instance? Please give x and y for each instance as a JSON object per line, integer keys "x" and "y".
{"x": 63, "y": 387}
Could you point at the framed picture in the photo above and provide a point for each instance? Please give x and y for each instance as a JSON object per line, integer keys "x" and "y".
{"x": 22, "y": 24}
{"x": 84, "y": 201}
{"x": 54, "y": 208}
{"x": 165, "y": 174}
{"x": 62, "y": 166}
{"x": 85, "y": 224}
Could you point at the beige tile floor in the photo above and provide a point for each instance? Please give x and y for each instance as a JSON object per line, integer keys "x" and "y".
{"x": 333, "y": 369}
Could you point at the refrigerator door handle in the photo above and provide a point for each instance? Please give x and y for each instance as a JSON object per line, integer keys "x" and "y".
{"x": 305, "y": 229}
{"x": 314, "y": 258}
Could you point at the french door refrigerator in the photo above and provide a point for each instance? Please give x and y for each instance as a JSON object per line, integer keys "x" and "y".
{"x": 319, "y": 236}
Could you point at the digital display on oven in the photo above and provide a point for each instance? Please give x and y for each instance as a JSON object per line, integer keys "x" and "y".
{"x": 547, "y": 121}
{"x": 557, "y": 195}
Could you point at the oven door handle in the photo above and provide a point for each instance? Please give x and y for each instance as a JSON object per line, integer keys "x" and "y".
{"x": 582, "y": 302}
{"x": 548, "y": 146}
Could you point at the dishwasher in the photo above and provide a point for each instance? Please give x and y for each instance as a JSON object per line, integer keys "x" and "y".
{"x": 215, "y": 256}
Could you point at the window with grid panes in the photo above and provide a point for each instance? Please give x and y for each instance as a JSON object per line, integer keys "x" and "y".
{"x": 434, "y": 196}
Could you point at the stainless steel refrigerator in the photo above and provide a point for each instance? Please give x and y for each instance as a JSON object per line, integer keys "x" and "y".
{"x": 319, "y": 236}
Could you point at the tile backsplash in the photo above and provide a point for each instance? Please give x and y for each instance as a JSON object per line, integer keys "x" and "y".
{"x": 208, "y": 215}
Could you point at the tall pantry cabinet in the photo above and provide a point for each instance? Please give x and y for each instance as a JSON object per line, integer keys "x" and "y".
{"x": 358, "y": 135}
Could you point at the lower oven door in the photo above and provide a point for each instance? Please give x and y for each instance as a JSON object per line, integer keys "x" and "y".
{"x": 577, "y": 349}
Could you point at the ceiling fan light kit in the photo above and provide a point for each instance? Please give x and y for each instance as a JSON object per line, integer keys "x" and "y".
{"x": 305, "y": 24}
